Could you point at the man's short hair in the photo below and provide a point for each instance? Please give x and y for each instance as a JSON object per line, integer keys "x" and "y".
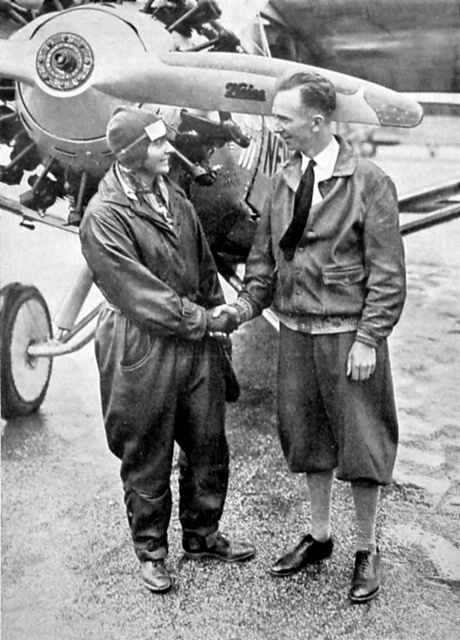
{"x": 316, "y": 91}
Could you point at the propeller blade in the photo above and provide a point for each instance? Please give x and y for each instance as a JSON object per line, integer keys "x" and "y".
{"x": 17, "y": 61}
{"x": 245, "y": 83}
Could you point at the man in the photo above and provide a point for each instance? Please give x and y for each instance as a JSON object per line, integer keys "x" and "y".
{"x": 328, "y": 255}
{"x": 161, "y": 373}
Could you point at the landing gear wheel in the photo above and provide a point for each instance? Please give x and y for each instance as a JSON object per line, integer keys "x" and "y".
{"x": 24, "y": 320}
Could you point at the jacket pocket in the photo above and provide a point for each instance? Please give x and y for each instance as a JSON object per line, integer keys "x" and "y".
{"x": 137, "y": 345}
{"x": 344, "y": 276}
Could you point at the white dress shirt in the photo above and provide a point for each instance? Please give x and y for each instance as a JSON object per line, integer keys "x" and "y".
{"x": 324, "y": 167}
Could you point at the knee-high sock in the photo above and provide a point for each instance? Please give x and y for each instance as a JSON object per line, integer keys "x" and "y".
{"x": 365, "y": 497}
{"x": 320, "y": 488}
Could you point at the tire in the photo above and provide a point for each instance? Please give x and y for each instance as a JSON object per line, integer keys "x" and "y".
{"x": 24, "y": 320}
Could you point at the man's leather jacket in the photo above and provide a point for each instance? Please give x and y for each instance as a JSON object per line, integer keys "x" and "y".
{"x": 350, "y": 260}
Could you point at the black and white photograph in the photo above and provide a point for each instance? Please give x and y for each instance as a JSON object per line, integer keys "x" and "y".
{"x": 230, "y": 319}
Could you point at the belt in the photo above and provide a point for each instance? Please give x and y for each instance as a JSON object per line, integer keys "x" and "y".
{"x": 318, "y": 325}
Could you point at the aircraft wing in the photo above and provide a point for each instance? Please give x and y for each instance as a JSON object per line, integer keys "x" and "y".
{"x": 407, "y": 46}
{"x": 436, "y": 99}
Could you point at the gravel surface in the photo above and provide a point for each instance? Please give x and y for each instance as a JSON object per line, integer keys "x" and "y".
{"x": 70, "y": 573}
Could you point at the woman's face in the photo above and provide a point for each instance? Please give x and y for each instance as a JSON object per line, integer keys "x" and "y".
{"x": 157, "y": 161}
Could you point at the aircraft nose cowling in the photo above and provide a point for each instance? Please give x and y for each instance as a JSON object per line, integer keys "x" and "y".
{"x": 71, "y": 47}
{"x": 61, "y": 110}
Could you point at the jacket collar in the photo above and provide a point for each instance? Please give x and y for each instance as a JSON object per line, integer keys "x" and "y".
{"x": 111, "y": 191}
{"x": 345, "y": 165}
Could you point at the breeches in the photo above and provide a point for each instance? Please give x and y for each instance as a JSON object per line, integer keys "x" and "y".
{"x": 174, "y": 391}
{"x": 328, "y": 421}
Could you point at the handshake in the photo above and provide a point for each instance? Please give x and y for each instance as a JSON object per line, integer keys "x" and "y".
{"x": 221, "y": 320}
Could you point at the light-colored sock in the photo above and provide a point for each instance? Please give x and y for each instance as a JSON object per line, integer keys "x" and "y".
{"x": 320, "y": 490}
{"x": 365, "y": 497}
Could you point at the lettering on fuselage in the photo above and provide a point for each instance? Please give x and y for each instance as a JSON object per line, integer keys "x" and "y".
{"x": 243, "y": 91}
{"x": 275, "y": 154}
{"x": 248, "y": 155}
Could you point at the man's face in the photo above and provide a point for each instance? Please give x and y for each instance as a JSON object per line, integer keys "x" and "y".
{"x": 157, "y": 161}
{"x": 293, "y": 121}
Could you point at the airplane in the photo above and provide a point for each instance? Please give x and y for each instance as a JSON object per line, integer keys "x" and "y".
{"x": 210, "y": 78}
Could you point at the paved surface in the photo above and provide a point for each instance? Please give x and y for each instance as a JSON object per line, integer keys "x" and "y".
{"x": 68, "y": 571}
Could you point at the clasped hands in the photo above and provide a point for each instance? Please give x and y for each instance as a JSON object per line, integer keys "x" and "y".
{"x": 221, "y": 320}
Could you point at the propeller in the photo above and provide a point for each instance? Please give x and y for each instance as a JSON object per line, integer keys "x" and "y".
{"x": 245, "y": 83}
{"x": 64, "y": 63}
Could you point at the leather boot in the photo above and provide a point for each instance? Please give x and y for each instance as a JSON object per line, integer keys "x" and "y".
{"x": 221, "y": 549}
{"x": 155, "y": 575}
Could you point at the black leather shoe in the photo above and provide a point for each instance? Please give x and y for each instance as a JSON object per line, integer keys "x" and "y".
{"x": 366, "y": 579}
{"x": 222, "y": 549}
{"x": 306, "y": 552}
{"x": 155, "y": 575}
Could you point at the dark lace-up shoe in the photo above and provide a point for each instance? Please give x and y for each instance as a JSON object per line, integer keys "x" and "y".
{"x": 155, "y": 575}
{"x": 306, "y": 552}
{"x": 366, "y": 579}
{"x": 222, "y": 549}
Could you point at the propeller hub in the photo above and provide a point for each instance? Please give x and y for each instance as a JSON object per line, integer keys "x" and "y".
{"x": 65, "y": 61}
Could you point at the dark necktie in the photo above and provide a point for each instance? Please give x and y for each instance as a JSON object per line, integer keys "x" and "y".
{"x": 302, "y": 204}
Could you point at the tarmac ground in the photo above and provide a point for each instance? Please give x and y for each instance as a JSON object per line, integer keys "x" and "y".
{"x": 68, "y": 569}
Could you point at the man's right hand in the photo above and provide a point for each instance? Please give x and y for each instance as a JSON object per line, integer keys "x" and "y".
{"x": 222, "y": 319}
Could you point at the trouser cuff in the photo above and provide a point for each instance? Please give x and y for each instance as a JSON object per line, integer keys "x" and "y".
{"x": 193, "y": 541}
{"x": 145, "y": 554}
